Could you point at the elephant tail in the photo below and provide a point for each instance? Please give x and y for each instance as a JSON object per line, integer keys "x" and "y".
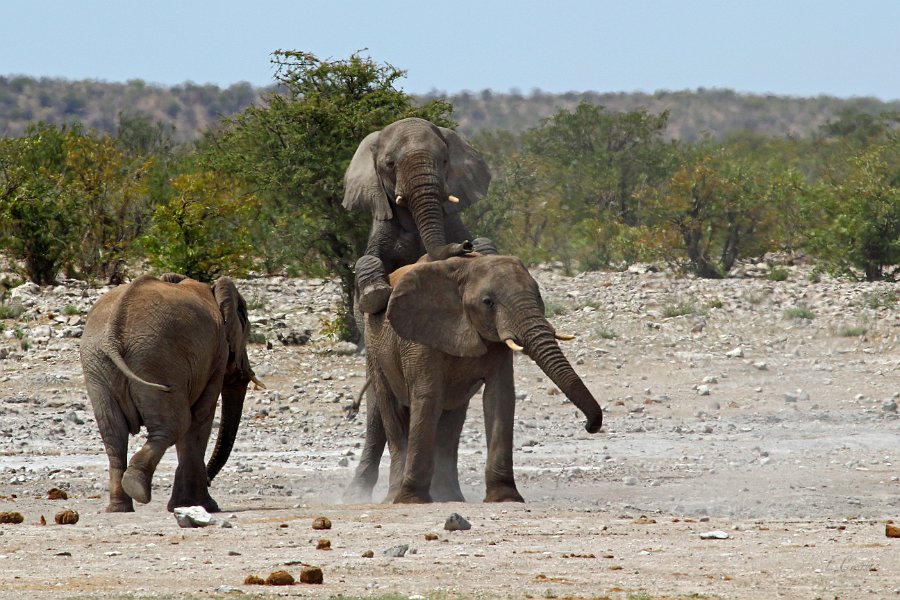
{"x": 353, "y": 409}
{"x": 110, "y": 350}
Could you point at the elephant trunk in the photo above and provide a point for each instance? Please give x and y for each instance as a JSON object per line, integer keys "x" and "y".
{"x": 426, "y": 192}
{"x": 234, "y": 390}
{"x": 540, "y": 344}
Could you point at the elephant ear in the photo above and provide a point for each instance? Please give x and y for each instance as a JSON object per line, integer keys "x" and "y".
{"x": 468, "y": 175}
{"x": 237, "y": 324}
{"x": 363, "y": 191}
{"x": 426, "y": 307}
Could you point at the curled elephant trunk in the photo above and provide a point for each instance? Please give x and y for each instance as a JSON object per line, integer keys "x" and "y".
{"x": 234, "y": 390}
{"x": 424, "y": 194}
{"x": 540, "y": 344}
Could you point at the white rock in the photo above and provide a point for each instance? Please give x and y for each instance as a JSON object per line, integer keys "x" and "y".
{"x": 192, "y": 516}
{"x": 714, "y": 535}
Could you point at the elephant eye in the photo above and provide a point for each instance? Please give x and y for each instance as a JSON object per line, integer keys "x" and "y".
{"x": 488, "y": 301}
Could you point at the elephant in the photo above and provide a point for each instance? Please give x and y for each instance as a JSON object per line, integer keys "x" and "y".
{"x": 413, "y": 177}
{"x": 157, "y": 353}
{"x": 450, "y": 327}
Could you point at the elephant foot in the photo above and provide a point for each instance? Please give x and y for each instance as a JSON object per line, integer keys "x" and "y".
{"x": 136, "y": 485}
{"x": 208, "y": 504}
{"x": 407, "y": 497}
{"x": 447, "y": 495}
{"x": 355, "y": 494}
{"x": 374, "y": 297}
{"x": 120, "y": 506}
{"x": 503, "y": 494}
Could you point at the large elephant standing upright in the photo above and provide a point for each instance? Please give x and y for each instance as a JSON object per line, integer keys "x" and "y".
{"x": 450, "y": 327}
{"x": 157, "y": 353}
{"x": 413, "y": 177}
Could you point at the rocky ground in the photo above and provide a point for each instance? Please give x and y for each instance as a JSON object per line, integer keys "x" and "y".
{"x": 763, "y": 412}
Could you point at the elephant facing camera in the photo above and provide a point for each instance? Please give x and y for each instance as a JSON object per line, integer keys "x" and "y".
{"x": 414, "y": 178}
{"x": 451, "y": 327}
{"x": 157, "y": 353}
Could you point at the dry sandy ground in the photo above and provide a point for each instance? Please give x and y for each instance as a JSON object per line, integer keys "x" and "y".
{"x": 792, "y": 448}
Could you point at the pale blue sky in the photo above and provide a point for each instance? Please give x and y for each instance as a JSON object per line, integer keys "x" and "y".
{"x": 785, "y": 47}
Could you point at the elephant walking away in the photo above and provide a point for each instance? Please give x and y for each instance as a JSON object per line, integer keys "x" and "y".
{"x": 451, "y": 327}
{"x": 158, "y": 353}
{"x": 413, "y": 177}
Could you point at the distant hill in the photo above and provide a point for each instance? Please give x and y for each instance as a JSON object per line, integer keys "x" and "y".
{"x": 191, "y": 108}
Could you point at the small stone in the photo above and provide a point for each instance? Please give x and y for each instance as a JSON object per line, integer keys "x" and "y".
{"x": 760, "y": 366}
{"x": 397, "y": 551}
{"x": 703, "y": 390}
{"x": 455, "y": 522}
{"x": 889, "y": 405}
{"x": 644, "y": 520}
{"x": 280, "y": 578}
{"x": 323, "y": 544}
{"x": 736, "y": 353}
{"x": 312, "y": 575}
{"x": 714, "y": 535}
{"x": 797, "y": 396}
{"x": 320, "y": 523}
{"x": 891, "y": 530}
{"x": 430, "y": 537}
{"x": 57, "y": 494}
{"x": 192, "y": 516}
{"x": 368, "y": 554}
{"x": 66, "y": 517}
{"x": 630, "y": 481}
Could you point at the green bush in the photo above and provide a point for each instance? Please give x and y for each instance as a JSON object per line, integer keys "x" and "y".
{"x": 799, "y": 312}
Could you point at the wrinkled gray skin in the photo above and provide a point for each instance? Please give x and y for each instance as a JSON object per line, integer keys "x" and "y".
{"x": 157, "y": 353}
{"x": 423, "y": 164}
{"x": 443, "y": 337}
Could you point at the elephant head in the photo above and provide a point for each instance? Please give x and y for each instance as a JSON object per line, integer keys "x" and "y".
{"x": 423, "y": 168}
{"x": 460, "y": 305}
{"x": 238, "y": 373}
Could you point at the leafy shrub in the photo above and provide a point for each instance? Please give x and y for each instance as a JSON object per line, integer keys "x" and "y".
{"x": 678, "y": 307}
{"x": 778, "y": 273}
{"x": 11, "y": 311}
{"x": 799, "y": 312}
{"x": 203, "y": 230}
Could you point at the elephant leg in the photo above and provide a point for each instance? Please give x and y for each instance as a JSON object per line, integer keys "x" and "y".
{"x": 445, "y": 481}
{"x": 395, "y": 420}
{"x": 372, "y": 284}
{"x": 166, "y": 423}
{"x": 499, "y": 399}
{"x": 424, "y": 414}
{"x": 191, "y": 485}
{"x": 114, "y": 432}
{"x": 366, "y": 474}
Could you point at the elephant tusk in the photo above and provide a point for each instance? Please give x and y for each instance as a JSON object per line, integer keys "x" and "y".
{"x": 453, "y": 199}
{"x": 259, "y": 384}
{"x": 399, "y": 200}
{"x": 514, "y": 346}
{"x": 565, "y": 337}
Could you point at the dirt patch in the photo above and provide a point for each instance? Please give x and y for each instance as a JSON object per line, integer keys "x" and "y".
{"x": 779, "y": 435}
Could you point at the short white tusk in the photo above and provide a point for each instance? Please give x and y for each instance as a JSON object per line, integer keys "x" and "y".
{"x": 453, "y": 199}
{"x": 565, "y": 337}
{"x": 259, "y": 384}
{"x": 514, "y": 346}
{"x": 399, "y": 200}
